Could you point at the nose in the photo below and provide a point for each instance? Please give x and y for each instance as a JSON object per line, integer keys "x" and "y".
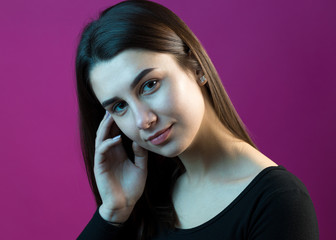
{"x": 144, "y": 116}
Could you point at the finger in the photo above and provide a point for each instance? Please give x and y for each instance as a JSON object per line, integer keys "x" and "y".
{"x": 101, "y": 122}
{"x": 107, "y": 144}
{"x": 103, "y": 130}
{"x": 140, "y": 156}
{"x": 101, "y": 151}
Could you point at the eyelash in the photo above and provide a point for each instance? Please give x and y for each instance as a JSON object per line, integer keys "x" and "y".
{"x": 156, "y": 85}
{"x": 152, "y": 90}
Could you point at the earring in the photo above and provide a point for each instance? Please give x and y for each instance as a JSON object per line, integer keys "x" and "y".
{"x": 202, "y": 80}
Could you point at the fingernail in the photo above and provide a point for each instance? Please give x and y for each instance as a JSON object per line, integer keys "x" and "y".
{"x": 107, "y": 114}
{"x": 116, "y": 138}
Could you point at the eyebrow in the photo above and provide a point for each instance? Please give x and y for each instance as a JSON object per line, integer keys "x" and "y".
{"x": 136, "y": 80}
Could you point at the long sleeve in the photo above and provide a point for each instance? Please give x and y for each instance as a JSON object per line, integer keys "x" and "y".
{"x": 99, "y": 229}
{"x": 286, "y": 215}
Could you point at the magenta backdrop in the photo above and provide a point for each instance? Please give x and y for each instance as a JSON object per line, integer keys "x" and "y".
{"x": 276, "y": 59}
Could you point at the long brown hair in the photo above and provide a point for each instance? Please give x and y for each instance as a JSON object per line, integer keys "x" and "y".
{"x": 151, "y": 26}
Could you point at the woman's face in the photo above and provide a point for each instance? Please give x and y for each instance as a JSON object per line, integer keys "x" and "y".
{"x": 151, "y": 99}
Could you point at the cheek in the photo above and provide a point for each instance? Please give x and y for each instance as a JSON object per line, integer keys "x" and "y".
{"x": 127, "y": 128}
{"x": 188, "y": 102}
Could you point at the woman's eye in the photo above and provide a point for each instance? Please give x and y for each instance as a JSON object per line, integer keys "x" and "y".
{"x": 119, "y": 108}
{"x": 150, "y": 86}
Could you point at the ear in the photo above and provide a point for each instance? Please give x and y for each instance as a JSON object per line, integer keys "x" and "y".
{"x": 199, "y": 73}
{"x": 201, "y": 79}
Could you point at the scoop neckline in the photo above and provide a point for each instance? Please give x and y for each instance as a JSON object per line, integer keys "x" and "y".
{"x": 231, "y": 205}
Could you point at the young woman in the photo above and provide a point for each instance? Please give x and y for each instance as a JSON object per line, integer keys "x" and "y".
{"x": 166, "y": 154}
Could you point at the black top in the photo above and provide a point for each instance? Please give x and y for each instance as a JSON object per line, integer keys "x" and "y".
{"x": 275, "y": 205}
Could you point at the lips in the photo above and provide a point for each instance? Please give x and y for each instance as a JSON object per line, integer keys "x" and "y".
{"x": 160, "y": 137}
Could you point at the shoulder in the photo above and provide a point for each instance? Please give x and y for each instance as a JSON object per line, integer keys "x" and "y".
{"x": 277, "y": 192}
{"x": 283, "y": 206}
{"x": 277, "y": 179}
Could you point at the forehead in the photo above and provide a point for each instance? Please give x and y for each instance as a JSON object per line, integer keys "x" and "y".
{"x": 126, "y": 65}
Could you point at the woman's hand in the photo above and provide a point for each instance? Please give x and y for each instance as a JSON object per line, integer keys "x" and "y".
{"x": 120, "y": 182}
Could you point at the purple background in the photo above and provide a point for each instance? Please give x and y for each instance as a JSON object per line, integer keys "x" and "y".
{"x": 277, "y": 62}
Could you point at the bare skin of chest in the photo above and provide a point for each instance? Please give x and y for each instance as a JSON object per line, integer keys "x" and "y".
{"x": 197, "y": 202}
{"x": 195, "y": 207}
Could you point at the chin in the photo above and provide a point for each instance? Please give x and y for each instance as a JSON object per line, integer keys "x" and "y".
{"x": 169, "y": 151}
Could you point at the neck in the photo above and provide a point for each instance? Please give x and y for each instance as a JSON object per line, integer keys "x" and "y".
{"x": 214, "y": 153}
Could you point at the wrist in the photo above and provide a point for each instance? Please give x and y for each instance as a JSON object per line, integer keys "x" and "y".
{"x": 115, "y": 217}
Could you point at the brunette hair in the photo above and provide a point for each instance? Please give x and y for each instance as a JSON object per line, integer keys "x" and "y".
{"x": 151, "y": 26}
